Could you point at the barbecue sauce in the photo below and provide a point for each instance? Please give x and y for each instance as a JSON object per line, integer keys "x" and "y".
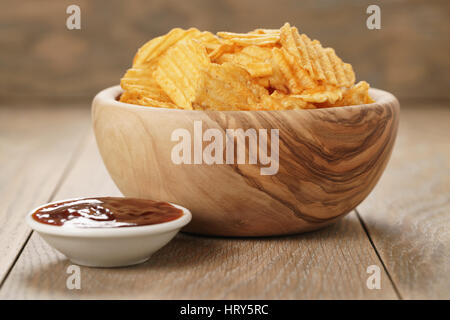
{"x": 107, "y": 212}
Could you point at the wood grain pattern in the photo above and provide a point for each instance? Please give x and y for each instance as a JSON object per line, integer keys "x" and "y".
{"x": 36, "y": 146}
{"x": 329, "y": 161}
{"x": 329, "y": 264}
{"x": 408, "y": 213}
{"x": 406, "y": 216}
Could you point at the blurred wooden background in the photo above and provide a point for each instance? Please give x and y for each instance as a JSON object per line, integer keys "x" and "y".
{"x": 43, "y": 62}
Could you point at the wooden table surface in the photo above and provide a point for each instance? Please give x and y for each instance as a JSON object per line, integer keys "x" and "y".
{"x": 403, "y": 226}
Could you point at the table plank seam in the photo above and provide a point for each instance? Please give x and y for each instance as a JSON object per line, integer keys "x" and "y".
{"x": 15, "y": 259}
{"x": 366, "y": 230}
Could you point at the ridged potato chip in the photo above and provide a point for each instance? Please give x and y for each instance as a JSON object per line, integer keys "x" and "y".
{"x": 358, "y": 94}
{"x": 281, "y": 101}
{"x": 141, "y": 97}
{"x": 229, "y": 87}
{"x": 157, "y": 46}
{"x": 264, "y": 69}
{"x": 266, "y": 31}
{"x": 138, "y": 82}
{"x": 248, "y": 39}
{"x": 254, "y": 59}
{"x": 321, "y": 63}
{"x": 142, "y": 79}
{"x": 180, "y": 71}
{"x": 142, "y": 89}
{"x": 295, "y": 77}
{"x": 321, "y": 94}
{"x": 217, "y": 50}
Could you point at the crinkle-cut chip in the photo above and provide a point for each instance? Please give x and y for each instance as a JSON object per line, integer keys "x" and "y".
{"x": 210, "y": 41}
{"x": 249, "y": 35}
{"x": 263, "y": 82}
{"x": 321, "y": 94}
{"x": 142, "y": 98}
{"x": 281, "y": 101}
{"x": 141, "y": 79}
{"x": 276, "y": 81}
{"x": 256, "y": 69}
{"x": 180, "y": 72}
{"x": 296, "y": 48}
{"x": 345, "y": 76}
{"x": 250, "y": 54}
{"x": 236, "y": 71}
{"x": 321, "y": 63}
{"x": 157, "y": 46}
{"x": 138, "y": 75}
{"x": 262, "y": 54}
{"x": 229, "y": 87}
{"x": 358, "y": 94}
{"x": 207, "y": 37}
{"x": 247, "y": 39}
{"x": 217, "y": 50}
{"x": 266, "y": 31}
{"x": 259, "y": 69}
{"x": 295, "y": 77}
{"x": 256, "y": 60}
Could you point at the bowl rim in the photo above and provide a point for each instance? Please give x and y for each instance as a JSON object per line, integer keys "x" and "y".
{"x": 62, "y": 231}
{"x": 110, "y": 95}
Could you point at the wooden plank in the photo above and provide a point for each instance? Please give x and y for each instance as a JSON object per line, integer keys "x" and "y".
{"x": 36, "y": 145}
{"x": 408, "y": 213}
{"x": 330, "y": 263}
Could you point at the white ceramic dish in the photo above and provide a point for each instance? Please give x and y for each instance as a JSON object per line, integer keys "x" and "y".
{"x": 108, "y": 247}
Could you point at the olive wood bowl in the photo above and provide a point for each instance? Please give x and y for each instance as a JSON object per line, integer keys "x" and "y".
{"x": 329, "y": 161}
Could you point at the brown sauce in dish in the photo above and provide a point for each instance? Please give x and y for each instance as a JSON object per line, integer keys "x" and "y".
{"x": 107, "y": 212}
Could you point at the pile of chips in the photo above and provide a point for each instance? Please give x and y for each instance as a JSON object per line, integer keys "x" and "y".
{"x": 265, "y": 69}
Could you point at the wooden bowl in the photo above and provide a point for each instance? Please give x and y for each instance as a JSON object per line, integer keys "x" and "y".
{"x": 329, "y": 161}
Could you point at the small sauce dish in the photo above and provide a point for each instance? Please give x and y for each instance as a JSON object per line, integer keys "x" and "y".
{"x": 106, "y": 243}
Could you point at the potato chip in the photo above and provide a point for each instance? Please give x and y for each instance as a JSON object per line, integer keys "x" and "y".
{"x": 321, "y": 94}
{"x": 157, "y": 46}
{"x": 281, "y": 101}
{"x": 142, "y": 79}
{"x": 358, "y": 94}
{"x": 247, "y": 39}
{"x": 264, "y": 69}
{"x": 142, "y": 89}
{"x": 295, "y": 77}
{"x": 254, "y": 59}
{"x": 259, "y": 69}
{"x": 263, "y": 54}
{"x": 229, "y": 87}
{"x": 142, "y": 98}
{"x": 224, "y": 46}
{"x": 179, "y": 71}
{"x": 209, "y": 40}
{"x": 321, "y": 63}
{"x": 266, "y": 31}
